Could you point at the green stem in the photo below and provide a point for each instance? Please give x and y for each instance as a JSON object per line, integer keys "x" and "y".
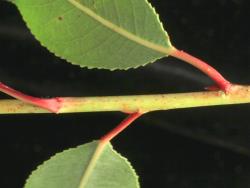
{"x": 137, "y": 103}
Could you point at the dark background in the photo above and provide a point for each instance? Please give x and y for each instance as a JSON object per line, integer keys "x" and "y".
{"x": 188, "y": 148}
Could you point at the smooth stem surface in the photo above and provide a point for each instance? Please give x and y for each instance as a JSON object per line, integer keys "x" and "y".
{"x": 59, "y": 105}
{"x": 137, "y": 103}
{"x": 222, "y": 83}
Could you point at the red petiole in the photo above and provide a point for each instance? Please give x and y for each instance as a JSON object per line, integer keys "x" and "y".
{"x": 52, "y": 104}
{"x": 221, "y": 82}
{"x": 123, "y": 125}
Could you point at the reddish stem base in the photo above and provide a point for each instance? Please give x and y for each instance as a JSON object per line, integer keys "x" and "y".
{"x": 53, "y": 104}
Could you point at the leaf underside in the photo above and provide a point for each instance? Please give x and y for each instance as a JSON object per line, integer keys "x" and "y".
{"x": 110, "y": 34}
{"x": 67, "y": 169}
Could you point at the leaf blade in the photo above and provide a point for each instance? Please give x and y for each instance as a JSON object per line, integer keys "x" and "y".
{"x": 118, "y": 29}
{"x": 66, "y": 170}
{"x": 98, "y": 34}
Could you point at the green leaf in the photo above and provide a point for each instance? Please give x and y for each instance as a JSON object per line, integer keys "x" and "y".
{"x": 88, "y": 166}
{"x": 110, "y": 34}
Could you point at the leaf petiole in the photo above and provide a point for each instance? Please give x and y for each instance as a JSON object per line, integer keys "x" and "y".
{"x": 52, "y": 104}
{"x": 222, "y": 83}
{"x": 119, "y": 128}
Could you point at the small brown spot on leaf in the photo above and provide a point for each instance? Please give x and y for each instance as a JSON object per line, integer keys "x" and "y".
{"x": 60, "y": 18}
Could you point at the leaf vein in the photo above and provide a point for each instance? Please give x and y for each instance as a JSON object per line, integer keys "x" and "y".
{"x": 121, "y": 31}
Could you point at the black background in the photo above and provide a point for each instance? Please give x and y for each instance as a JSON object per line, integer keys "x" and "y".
{"x": 201, "y": 147}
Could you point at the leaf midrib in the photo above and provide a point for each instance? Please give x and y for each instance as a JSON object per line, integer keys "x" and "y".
{"x": 92, "y": 163}
{"x": 120, "y": 30}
